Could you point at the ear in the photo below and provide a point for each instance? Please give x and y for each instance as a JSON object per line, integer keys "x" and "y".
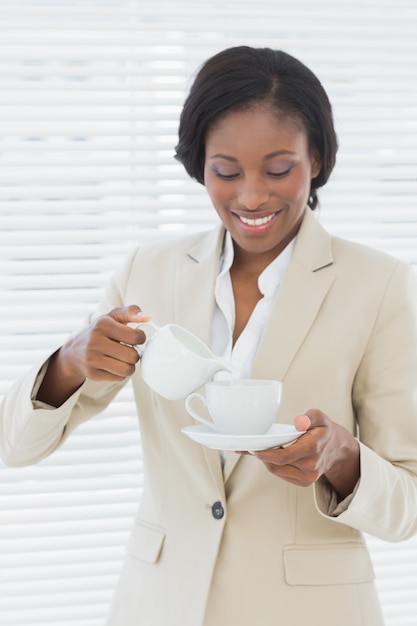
{"x": 315, "y": 164}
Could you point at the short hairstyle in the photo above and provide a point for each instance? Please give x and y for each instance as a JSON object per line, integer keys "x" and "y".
{"x": 240, "y": 77}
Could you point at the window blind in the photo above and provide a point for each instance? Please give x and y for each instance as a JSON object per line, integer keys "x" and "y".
{"x": 90, "y": 97}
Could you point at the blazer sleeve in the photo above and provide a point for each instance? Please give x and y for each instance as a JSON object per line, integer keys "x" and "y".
{"x": 29, "y": 433}
{"x": 385, "y": 400}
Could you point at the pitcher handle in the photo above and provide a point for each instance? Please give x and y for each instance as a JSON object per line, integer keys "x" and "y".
{"x": 193, "y": 413}
{"x": 141, "y": 347}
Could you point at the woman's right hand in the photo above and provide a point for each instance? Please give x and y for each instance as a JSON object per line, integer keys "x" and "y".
{"x": 103, "y": 352}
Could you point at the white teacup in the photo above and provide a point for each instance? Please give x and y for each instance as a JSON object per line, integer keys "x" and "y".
{"x": 174, "y": 362}
{"x": 242, "y": 407}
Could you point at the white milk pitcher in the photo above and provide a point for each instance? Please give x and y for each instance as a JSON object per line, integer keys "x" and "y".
{"x": 174, "y": 362}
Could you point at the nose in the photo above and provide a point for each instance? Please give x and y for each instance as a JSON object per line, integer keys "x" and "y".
{"x": 252, "y": 194}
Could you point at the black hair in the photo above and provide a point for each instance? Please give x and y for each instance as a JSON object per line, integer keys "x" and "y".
{"x": 240, "y": 77}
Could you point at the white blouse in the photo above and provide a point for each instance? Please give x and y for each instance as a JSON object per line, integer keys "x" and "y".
{"x": 243, "y": 353}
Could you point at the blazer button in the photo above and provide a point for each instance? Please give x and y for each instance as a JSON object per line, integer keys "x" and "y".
{"x": 217, "y": 510}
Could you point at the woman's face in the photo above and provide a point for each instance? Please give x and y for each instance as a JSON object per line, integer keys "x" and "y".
{"x": 257, "y": 172}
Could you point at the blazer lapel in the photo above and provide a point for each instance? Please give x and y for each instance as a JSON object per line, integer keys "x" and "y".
{"x": 193, "y": 309}
{"x": 195, "y": 281}
{"x": 304, "y": 286}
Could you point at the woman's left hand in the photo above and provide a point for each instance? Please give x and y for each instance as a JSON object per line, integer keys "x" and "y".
{"x": 325, "y": 449}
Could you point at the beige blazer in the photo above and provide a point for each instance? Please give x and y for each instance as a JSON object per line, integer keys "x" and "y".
{"x": 240, "y": 546}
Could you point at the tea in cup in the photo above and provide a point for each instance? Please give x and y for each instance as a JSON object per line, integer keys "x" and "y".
{"x": 174, "y": 362}
{"x": 240, "y": 407}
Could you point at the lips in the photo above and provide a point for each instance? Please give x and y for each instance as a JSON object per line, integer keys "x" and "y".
{"x": 257, "y": 221}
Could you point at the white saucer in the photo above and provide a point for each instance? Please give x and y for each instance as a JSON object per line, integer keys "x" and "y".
{"x": 278, "y": 435}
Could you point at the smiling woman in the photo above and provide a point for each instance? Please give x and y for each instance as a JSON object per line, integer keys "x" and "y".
{"x": 87, "y": 125}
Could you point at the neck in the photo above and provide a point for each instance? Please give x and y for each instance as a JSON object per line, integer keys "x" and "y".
{"x": 252, "y": 263}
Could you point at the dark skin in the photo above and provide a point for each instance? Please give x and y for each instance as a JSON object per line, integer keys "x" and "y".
{"x": 326, "y": 449}
{"x": 102, "y": 352}
{"x": 246, "y": 293}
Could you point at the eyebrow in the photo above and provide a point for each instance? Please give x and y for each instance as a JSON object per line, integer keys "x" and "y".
{"x": 267, "y": 157}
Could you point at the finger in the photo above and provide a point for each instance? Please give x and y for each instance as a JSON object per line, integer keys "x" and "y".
{"x": 131, "y": 313}
{"x": 302, "y": 422}
{"x": 119, "y": 330}
{"x": 316, "y": 417}
{"x": 111, "y": 358}
{"x": 300, "y": 451}
{"x": 102, "y": 345}
{"x": 119, "y": 368}
{"x": 135, "y": 315}
{"x": 293, "y": 474}
{"x": 123, "y": 352}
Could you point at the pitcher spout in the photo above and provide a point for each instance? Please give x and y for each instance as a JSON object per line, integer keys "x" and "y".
{"x": 219, "y": 365}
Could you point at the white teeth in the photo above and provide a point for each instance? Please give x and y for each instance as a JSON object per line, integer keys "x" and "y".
{"x": 259, "y": 221}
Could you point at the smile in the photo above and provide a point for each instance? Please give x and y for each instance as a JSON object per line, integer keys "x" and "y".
{"x": 258, "y": 221}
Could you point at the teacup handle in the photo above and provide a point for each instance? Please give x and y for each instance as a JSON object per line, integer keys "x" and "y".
{"x": 140, "y": 348}
{"x": 191, "y": 411}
